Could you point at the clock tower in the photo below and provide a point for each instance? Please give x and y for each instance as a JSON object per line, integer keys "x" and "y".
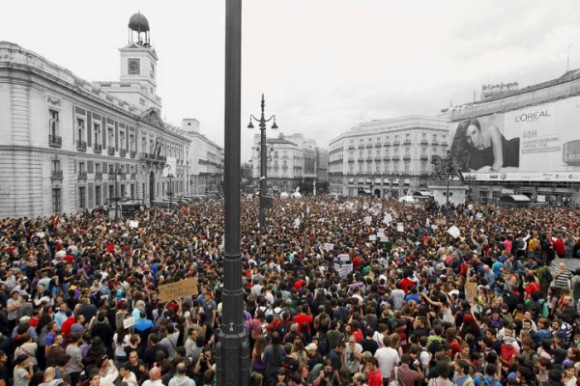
{"x": 139, "y": 63}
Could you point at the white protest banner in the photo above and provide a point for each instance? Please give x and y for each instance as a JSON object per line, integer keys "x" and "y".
{"x": 367, "y": 220}
{"x": 387, "y": 219}
{"x": 328, "y": 246}
{"x": 128, "y": 322}
{"x": 400, "y": 227}
{"x": 344, "y": 257}
{"x": 384, "y": 239}
{"x": 343, "y": 269}
{"x": 434, "y": 227}
{"x": 454, "y": 231}
{"x": 297, "y": 222}
{"x": 381, "y": 233}
{"x": 479, "y": 216}
{"x": 373, "y": 238}
{"x": 427, "y": 222}
{"x": 133, "y": 224}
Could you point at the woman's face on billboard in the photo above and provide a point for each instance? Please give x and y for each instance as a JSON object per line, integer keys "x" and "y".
{"x": 474, "y": 137}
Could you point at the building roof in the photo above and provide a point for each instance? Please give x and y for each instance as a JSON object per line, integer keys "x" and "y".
{"x": 138, "y": 22}
{"x": 279, "y": 141}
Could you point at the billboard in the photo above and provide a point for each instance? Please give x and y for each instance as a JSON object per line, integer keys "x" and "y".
{"x": 540, "y": 143}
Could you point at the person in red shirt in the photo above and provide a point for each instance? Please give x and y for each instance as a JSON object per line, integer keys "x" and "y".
{"x": 407, "y": 283}
{"x": 374, "y": 376}
{"x": 67, "y": 324}
{"x": 303, "y": 315}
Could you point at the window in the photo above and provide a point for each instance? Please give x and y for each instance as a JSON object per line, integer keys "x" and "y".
{"x": 97, "y": 132}
{"x": 98, "y": 169}
{"x": 424, "y": 136}
{"x": 97, "y": 195}
{"x": 82, "y": 198}
{"x": 122, "y": 135}
{"x": 111, "y": 136}
{"x": 434, "y": 137}
{"x": 407, "y": 167}
{"x": 112, "y": 192}
{"x": 81, "y": 167}
{"x": 53, "y": 122}
{"x": 407, "y": 137}
{"x": 55, "y": 165}
{"x": 444, "y": 138}
{"x": 81, "y": 129}
{"x": 131, "y": 142}
{"x": 56, "y": 198}
{"x": 132, "y": 191}
{"x": 423, "y": 150}
{"x": 144, "y": 145}
{"x": 407, "y": 151}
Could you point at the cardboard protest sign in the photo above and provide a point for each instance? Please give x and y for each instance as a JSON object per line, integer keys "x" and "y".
{"x": 344, "y": 257}
{"x": 471, "y": 290}
{"x": 178, "y": 290}
{"x": 133, "y": 224}
{"x": 400, "y": 227}
{"x": 454, "y": 231}
{"x": 368, "y": 220}
{"x": 373, "y": 238}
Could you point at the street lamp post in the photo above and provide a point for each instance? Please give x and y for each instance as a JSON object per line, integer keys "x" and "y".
{"x": 232, "y": 351}
{"x": 170, "y": 191}
{"x": 263, "y": 158}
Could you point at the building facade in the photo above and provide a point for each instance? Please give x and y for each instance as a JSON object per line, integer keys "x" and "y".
{"x": 67, "y": 144}
{"x": 540, "y": 141}
{"x": 292, "y": 163}
{"x": 206, "y": 160}
{"x": 388, "y": 157}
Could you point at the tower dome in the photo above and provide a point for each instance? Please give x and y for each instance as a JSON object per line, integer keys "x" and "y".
{"x": 139, "y": 23}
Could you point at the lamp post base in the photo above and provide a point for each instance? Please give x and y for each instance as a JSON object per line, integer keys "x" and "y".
{"x": 232, "y": 354}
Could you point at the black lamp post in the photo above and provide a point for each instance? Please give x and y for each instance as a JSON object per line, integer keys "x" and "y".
{"x": 469, "y": 179}
{"x": 170, "y": 190}
{"x": 263, "y": 158}
{"x": 232, "y": 351}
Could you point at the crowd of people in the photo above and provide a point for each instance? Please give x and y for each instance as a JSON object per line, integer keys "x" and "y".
{"x": 354, "y": 291}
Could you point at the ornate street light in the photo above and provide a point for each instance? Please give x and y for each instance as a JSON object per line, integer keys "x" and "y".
{"x": 263, "y": 158}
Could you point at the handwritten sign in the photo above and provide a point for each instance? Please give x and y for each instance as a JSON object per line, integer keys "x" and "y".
{"x": 343, "y": 269}
{"x": 328, "y": 247}
{"x": 178, "y": 290}
{"x": 133, "y": 224}
{"x": 128, "y": 322}
{"x": 454, "y": 231}
{"x": 400, "y": 227}
{"x": 387, "y": 219}
{"x": 368, "y": 220}
{"x": 372, "y": 237}
{"x": 344, "y": 257}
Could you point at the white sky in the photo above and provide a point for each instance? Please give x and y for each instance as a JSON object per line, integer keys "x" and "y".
{"x": 324, "y": 65}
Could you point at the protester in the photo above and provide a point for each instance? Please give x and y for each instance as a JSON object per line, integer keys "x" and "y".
{"x": 336, "y": 292}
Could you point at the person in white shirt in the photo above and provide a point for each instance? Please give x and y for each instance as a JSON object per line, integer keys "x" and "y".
{"x": 388, "y": 358}
{"x": 127, "y": 376}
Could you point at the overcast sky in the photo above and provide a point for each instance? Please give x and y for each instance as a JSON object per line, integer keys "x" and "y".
{"x": 324, "y": 65}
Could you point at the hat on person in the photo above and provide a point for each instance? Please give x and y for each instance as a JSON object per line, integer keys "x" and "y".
{"x": 24, "y": 319}
{"x": 453, "y": 292}
{"x": 367, "y": 354}
{"x": 21, "y": 358}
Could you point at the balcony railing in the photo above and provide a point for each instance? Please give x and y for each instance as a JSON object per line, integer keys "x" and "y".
{"x": 435, "y": 143}
{"x": 378, "y": 144}
{"x": 133, "y": 153}
{"x": 54, "y": 140}
{"x": 387, "y": 143}
{"x": 133, "y": 176}
{"x": 369, "y": 145}
{"x": 407, "y": 157}
{"x": 123, "y": 153}
{"x": 378, "y": 159}
{"x": 82, "y": 176}
{"x": 424, "y": 142}
{"x": 57, "y": 175}
{"x": 444, "y": 144}
{"x": 407, "y": 142}
{"x": 98, "y": 148}
{"x": 396, "y": 143}
{"x": 81, "y": 145}
{"x": 424, "y": 157}
{"x": 351, "y": 160}
{"x": 98, "y": 176}
{"x": 111, "y": 150}
{"x": 396, "y": 158}
{"x": 351, "y": 147}
{"x": 386, "y": 158}
{"x": 123, "y": 176}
